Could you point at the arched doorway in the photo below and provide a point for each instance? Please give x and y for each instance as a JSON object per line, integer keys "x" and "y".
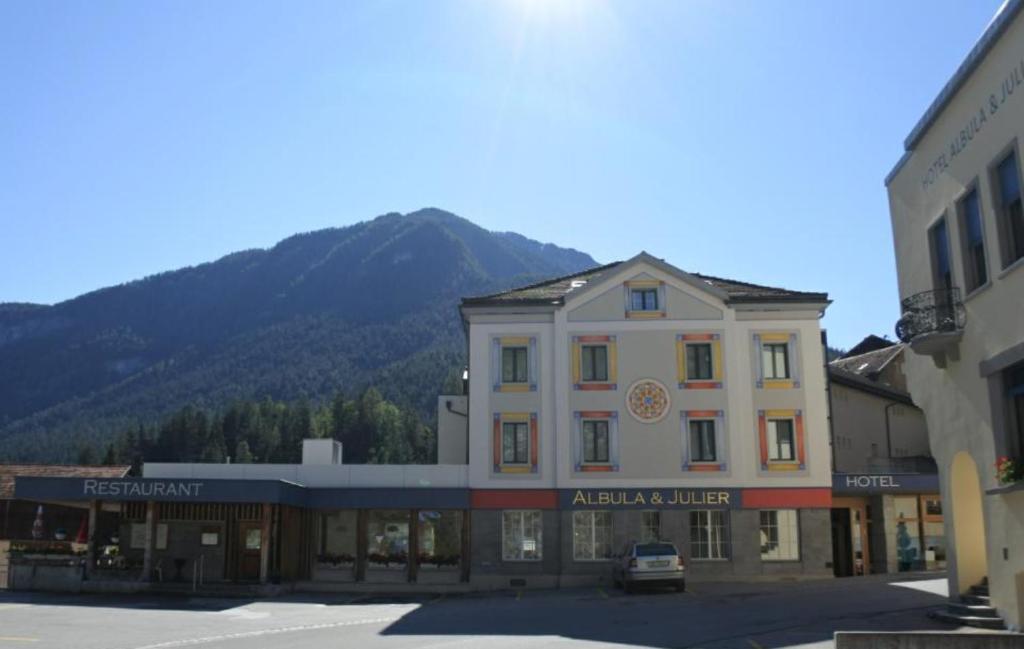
{"x": 968, "y": 522}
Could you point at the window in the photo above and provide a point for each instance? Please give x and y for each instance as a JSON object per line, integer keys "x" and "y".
{"x": 1015, "y": 403}
{"x": 591, "y": 535}
{"x": 643, "y": 299}
{"x": 1011, "y": 211}
{"x": 595, "y": 441}
{"x": 650, "y": 526}
{"x": 702, "y": 440}
{"x": 521, "y": 535}
{"x": 708, "y": 535}
{"x": 775, "y": 359}
{"x": 698, "y": 362}
{"x": 594, "y": 359}
{"x": 780, "y": 440}
{"x": 780, "y": 535}
{"x": 942, "y": 274}
{"x": 515, "y": 443}
{"x": 514, "y": 365}
{"x": 975, "y": 270}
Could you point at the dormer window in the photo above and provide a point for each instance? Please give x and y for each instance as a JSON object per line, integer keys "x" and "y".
{"x": 644, "y": 299}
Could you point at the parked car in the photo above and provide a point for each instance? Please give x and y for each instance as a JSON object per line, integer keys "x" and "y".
{"x": 657, "y": 564}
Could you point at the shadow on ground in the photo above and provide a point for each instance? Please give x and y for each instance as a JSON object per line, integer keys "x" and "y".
{"x": 711, "y": 615}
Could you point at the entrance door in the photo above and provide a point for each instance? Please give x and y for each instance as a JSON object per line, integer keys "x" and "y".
{"x": 250, "y": 543}
{"x": 842, "y": 556}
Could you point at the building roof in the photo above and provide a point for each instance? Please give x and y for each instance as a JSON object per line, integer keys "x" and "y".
{"x": 869, "y": 364}
{"x": 870, "y": 343}
{"x": 10, "y": 471}
{"x": 861, "y": 373}
{"x": 554, "y": 291}
{"x": 1002, "y": 19}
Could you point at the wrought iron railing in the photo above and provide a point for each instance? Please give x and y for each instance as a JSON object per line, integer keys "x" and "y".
{"x": 929, "y": 312}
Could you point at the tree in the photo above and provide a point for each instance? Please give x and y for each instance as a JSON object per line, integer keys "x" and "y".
{"x": 242, "y": 453}
{"x": 87, "y": 455}
{"x": 110, "y": 458}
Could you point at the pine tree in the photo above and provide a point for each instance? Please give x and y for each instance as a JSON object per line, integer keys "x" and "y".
{"x": 242, "y": 453}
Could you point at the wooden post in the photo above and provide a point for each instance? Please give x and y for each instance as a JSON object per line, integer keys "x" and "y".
{"x": 265, "y": 542}
{"x": 464, "y": 550}
{"x": 147, "y": 556}
{"x": 414, "y": 545}
{"x": 362, "y": 525}
{"x": 90, "y": 538}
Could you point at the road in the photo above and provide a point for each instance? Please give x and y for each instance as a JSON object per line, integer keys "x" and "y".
{"x": 745, "y": 615}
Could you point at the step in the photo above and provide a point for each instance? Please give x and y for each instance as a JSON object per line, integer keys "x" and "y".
{"x": 968, "y": 620}
{"x": 973, "y": 610}
{"x": 979, "y": 590}
{"x": 983, "y": 600}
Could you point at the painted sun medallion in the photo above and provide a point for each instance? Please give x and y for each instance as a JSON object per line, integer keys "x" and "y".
{"x": 648, "y": 401}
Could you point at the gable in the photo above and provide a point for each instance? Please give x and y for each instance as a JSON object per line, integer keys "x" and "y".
{"x": 608, "y": 302}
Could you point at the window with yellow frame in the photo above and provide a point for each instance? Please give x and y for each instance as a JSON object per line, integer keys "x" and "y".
{"x": 777, "y": 360}
{"x": 645, "y": 299}
{"x": 699, "y": 361}
{"x": 595, "y": 363}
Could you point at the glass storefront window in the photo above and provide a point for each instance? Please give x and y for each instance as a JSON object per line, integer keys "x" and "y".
{"x": 934, "y": 545}
{"x": 387, "y": 539}
{"x": 440, "y": 539}
{"x": 521, "y": 535}
{"x": 337, "y": 540}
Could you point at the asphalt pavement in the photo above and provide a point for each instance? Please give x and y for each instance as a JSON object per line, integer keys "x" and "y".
{"x": 745, "y": 615}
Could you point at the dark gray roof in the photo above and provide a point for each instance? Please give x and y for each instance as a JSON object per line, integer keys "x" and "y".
{"x": 861, "y": 373}
{"x": 988, "y": 39}
{"x": 870, "y": 363}
{"x": 553, "y": 291}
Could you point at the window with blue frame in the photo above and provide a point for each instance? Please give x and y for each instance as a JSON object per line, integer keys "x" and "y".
{"x": 1011, "y": 209}
{"x": 975, "y": 269}
{"x": 1015, "y": 402}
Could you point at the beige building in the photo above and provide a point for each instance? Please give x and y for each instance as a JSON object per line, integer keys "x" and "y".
{"x": 958, "y": 227}
{"x": 638, "y": 401}
{"x": 886, "y": 510}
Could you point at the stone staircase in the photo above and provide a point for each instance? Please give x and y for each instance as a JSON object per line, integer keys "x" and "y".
{"x": 973, "y": 609}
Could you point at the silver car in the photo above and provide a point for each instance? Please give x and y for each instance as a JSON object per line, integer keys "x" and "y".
{"x": 657, "y": 563}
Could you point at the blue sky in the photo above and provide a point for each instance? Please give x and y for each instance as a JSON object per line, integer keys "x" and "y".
{"x": 742, "y": 139}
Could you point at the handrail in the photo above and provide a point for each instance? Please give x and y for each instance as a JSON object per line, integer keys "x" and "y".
{"x": 930, "y": 312}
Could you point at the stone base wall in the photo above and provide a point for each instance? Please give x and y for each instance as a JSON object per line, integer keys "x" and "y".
{"x": 558, "y": 568}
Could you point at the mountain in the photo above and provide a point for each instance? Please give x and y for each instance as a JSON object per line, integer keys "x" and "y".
{"x": 338, "y": 309}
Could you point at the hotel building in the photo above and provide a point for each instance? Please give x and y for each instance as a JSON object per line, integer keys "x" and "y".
{"x": 958, "y": 227}
{"x": 633, "y": 401}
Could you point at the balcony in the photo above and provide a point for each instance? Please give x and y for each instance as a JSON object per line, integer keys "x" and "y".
{"x": 932, "y": 323}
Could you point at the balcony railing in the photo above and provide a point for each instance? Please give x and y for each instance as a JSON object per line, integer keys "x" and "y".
{"x": 931, "y": 320}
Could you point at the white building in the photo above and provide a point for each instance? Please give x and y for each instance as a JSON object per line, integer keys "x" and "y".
{"x": 958, "y": 229}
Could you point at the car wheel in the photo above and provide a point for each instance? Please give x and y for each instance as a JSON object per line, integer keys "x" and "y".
{"x": 681, "y": 586}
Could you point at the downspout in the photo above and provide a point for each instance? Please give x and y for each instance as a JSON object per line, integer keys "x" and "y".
{"x": 888, "y": 432}
{"x": 828, "y": 399}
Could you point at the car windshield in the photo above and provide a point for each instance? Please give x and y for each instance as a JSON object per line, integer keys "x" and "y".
{"x": 655, "y": 549}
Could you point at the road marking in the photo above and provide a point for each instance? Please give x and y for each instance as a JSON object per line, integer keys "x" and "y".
{"x": 602, "y": 593}
{"x": 12, "y": 638}
{"x": 754, "y": 643}
{"x": 255, "y": 634}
